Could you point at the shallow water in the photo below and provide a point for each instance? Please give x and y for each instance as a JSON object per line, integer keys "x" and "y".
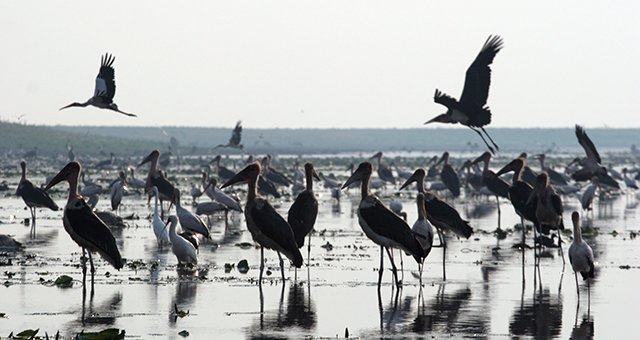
{"x": 491, "y": 290}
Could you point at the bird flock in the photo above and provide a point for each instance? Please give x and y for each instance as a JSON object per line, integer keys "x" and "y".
{"x": 535, "y": 197}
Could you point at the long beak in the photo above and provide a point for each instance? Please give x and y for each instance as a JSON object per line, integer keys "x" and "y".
{"x": 70, "y": 105}
{"x": 315, "y": 174}
{"x": 433, "y": 120}
{"x": 208, "y": 185}
{"x": 173, "y": 199}
{"x": 505, "y": 169}
{"x": 61, "y": 176}
{"x": 146, "y": 160}
{"x": 356, "y": 176}
{"x": 239, "y": 177}
{"x": 413, "y": 178}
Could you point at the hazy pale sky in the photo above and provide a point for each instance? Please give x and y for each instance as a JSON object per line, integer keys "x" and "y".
{"x": 319, "y": 64}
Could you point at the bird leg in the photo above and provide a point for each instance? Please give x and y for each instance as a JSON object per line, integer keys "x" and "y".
{"x": 560, "y": 245}
{"x": 281, "y": 266}
{"x": 93, "y": 269}
{"x": 485, "y": 142}
{"x": 492, "y": 142}
{"x": 261, "y": 265}
{"x": 393, "y": 268}
{"x": 381, "y": 267}
{"x": 577, "y": 286}
{"x": 309, "y": 250}
{"x": 83, "y": 259}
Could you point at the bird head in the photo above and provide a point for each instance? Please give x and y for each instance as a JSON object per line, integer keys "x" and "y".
{"x": 364, "y": 169}
{"x": 418, "y": 176}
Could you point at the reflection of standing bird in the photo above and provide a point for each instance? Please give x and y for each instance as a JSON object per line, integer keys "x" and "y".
{"x": 82, "y": 224}
{"x": 470, "y": 110}
{"x": 581, "y": 255}
{"x": 105, "y": 88}
{"x": 266, "y": 225}
{"x": 304, "y": 210}
{"x": 33, "y": 197}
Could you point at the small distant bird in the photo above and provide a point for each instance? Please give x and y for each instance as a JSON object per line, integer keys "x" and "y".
{"x": 105, "y": 88}
{"x": 234, "y": 141}
{"x": 471, "y": 109}
{"x": 581, "y": 255}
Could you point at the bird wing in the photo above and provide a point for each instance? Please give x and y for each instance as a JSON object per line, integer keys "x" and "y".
{"x": 105, "y": 82}
{"x": 556, "y": 201}
{"x": 86, "y": 224}
{"x": 478, "y": 78}
{"x": 451, "y": 179}
{"x": 587, "y": 144}
{"x": 273, "y": 226}
{"x": 444, "y": 99}
{"x": 442, "y": 212}
{"x": 302, "y": 216}
{"x": 236, "y": 135}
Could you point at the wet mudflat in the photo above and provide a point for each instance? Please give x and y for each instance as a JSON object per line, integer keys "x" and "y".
{"x": 491, "y": 290}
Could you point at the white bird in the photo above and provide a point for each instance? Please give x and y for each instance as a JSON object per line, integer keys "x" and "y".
{"x": 181, "y": 248}
{"x": 423, "y": 231}
{"x": 581, "y": 255}
{"x": 215, "y": 194}
{"x": 587, "y": 196}
{"x": 117, "y": 191}
{"x": 159, "y": 228}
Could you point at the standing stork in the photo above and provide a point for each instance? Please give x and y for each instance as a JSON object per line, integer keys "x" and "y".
{"x": 304, "y": 210}
{"x": 155, "y": 178}
{"x": 384, "y": 172}
{"x": 267, "y": 227}
{"x": 159, "y": 227}
{"x": 498, "y": 186}
{"x": 183, "y": 249}
{"x": 222, "y": 171}
{"x": 548, "y": 206}
{"x": 83, "y": 225}
{"x": 449, "y": 176}
{"x": 382, "y": 225}
{"x": 581, "y": 255}
{"x": 117, "y": 191}
{"x": 471, "y": 109}
{"x": 105, "y": 88}
{"x": 423, "y": 231}
{"x": 188, "y": 220}
{"x": 33, "y": 196}
{"x": 234, "y": 141}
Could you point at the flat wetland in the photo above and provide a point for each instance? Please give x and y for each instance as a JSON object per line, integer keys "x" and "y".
{"x": 486, "y": 289}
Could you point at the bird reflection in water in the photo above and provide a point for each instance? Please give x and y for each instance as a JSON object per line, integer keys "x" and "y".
{"x": 540, "y": 317}
{"x": 397, "y": 312}
{"x": 297, "y": 315}
{"x": 103, "y": 314}
{"x": 586, "y": 328}
{"x": 183, "y": 299}
{"x": 443, "y": 313}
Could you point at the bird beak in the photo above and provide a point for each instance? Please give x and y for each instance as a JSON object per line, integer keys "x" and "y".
{"x": 239, "y": 177}
{"x": 505, "y": 169}
{"x": 208, "y": 185}
{"x": 62, "y": 175}
{"x": 173, "y": 199}
{"x": 70, "y": 105}
{"x": 315, "y": 174}
{"x": 356, "y": 176}
{"x": 413, "y": 178}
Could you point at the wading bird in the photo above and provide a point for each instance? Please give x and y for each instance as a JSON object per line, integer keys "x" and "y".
{"x": 581, "y": 255}
{"x": 267, "y": 227}
{"x": 82, "y": 224}
{"x": 591, "y": 165}
{"x": 188, "y": 220}
{"x": 423, "y": 231}
{"x": 33, "y": 196}
{"x": 105, "y": 88}
{"x": 184, "y": 250}
{"x": 155, "y": 178}
{"x": 439, "y": 213}
{"x": 449, "y": 176}
{"x": 554, "y": 176}
{"x": 234, "y": 141}
{"x": 498, "y": 186}
{"x": 382, "y": 225}
{"x": 159, "y": 228}
{"x": 222, "y": 171}
{"x": 471, "y": 109}
{"x": 548, "y": 206}
{"x": 304, "y": 210}
{"x": 117, "y": 191}
{"x": 384, "y": 172}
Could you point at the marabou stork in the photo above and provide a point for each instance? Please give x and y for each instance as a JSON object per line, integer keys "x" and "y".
{"x": 159, "y": 227}
{"x": 423, "y": 231}
{"x": 105, "y": 88}
{"x": 184, "y": 250}
{"x": 156, "y": 178}
{"x": 498, "y": 186}
{"x": 519, "y": 193}
{"x": 629, "y": 182}
{"x": 222, "y": 171}
{"x": 591, "y": 165}
{"x": 82, "y": 224}
{"x": 188, "y": 220}
{"x": 198, "y": 189}
{"x": 401, "y": 173}
{"x": 527, "y": 174}
{"x": 381, "y": 224}
{"x": 33, "y": 196}
{"x": 234, "y": 141}
{"x": 442, "y": 215}
{"x": 272, "y": 174}
{"x": 384, "y": 172}
{"x": 471, "y": 109}
{"x": 267, "y": 227}
{"x": 554, "y": 176}
{"x": 548, "y": 206}
{"x": 117, "y": 191}
{"x": 304, "y": 210}
{"x": 433, "y": 171}
{"x": 135, "y": 182}
{"x": 449, "y": 176}
{"x": 215, "y": 194}
{"x": 581, "y": 255}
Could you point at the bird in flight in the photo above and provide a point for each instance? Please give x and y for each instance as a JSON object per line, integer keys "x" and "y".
{"x": 234, "y": 141}
{"x": 105, "y": 88}
{"x": 471, "y": 109}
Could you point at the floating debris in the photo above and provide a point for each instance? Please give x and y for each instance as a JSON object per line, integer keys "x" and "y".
{"x": 243, "y": 266}
{"x": 64, "y": 281}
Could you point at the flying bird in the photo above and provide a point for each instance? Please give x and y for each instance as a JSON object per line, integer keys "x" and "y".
{"x": 234, "y": 141}
{"x": 105, "y": 88}
{"x": 471, "y": 109}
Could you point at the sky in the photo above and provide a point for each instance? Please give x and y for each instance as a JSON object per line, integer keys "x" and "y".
{"x": 319, "y": 64}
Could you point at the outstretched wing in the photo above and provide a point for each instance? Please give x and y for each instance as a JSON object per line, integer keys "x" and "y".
{"x": 478, "y": 78}
{"x": 444, "y": 99}
{"x": 587, "y": 144}
{"x": 105, "y": 83}
{"x": 236, "y": 134}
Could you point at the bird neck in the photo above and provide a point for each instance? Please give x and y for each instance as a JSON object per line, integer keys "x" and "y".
{"x": 577, "y": 233}
{"x": 252, "y": 188}
{"x": 309, "y": 178}
{"x": 364, "y": 190}
{"x": 73, "y": 187}
{"x": 516, "y": 174}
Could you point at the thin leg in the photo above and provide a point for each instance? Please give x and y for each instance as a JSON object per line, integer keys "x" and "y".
{"x": 261, "y": 265}
{"x": 381, "y": 266}
{"x": 84, "y": 266}
{"x": 492, "y": 142}
{"x": 393, "y": 268}
{"x": 577, "y": 286}
{"x": 485, "y": 142}
{"x": 524, "y": 233}
{"x": 33, "y": 221}
{"x": 498, "y": 205}
{"x": 93, "y": 269}
{"x": 281, "y": 266}
{"x": 309, "y": 251}
{"x": 560, "y": 244}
